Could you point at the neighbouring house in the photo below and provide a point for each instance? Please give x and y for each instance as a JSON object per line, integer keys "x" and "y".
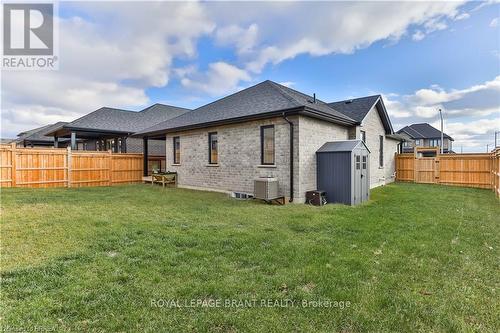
{"x": 110, "y": 129}
{"x": 6, "y": 141}
{"x": 424, "y": 135}
{"x": 38, "y": 137}
{"x": 267, "y": 130}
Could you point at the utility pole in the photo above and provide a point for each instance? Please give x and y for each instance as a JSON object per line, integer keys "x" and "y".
{"x": 487, "y": 147}
{"x": 461, "y": 149}
{"x": 441, "y": 143}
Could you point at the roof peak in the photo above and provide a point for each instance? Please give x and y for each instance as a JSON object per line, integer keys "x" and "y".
{"x": 285, "y": 90}
{"x": 165, "y": 105}
{"x": 421, "y": 124}
{"x": 356, "y": 98}
{"x": 233, "y": 94}
{"x": 114, "y": 109}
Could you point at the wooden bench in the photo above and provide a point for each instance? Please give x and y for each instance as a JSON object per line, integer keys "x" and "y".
{"x": 164, "y": 179}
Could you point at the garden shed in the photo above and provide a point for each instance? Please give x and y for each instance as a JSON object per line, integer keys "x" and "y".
{"x": 342, "y": 171}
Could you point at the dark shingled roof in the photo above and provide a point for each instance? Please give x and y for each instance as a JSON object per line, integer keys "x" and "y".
{"x": 39, "y": 134}
{"x": 118, "y": 120}
{"x": 256, "y": 101}
{"x": 341, "y": 146}
{"x": 423, "y": 131}
{"x": 356, "y": 108}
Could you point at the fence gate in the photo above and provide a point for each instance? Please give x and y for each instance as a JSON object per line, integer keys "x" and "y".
{"x": 426, "y": 170}
{"x": 469, "y": 170}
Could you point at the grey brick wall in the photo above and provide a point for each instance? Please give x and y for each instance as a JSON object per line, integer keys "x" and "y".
{"x": 239, "y": 154}
{"x": 313, "y": 134}
{"x": 390, "y": 151}
{"x": 373, "y": 127}
{"x": 239, "y": 157}
{"x": 155, "y": 147}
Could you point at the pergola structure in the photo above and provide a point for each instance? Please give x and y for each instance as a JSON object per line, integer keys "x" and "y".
{"x": 103, "y": 139}
{"x": 110, "y": 128}
{"x": 38, "y": 137}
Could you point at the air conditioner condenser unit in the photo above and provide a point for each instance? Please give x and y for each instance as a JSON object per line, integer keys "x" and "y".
{"x": 266, "y": 188}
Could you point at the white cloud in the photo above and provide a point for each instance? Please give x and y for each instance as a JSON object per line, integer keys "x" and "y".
{"x": 220, "y": 78}
{"x": 418, "y": 36}
{"x": 288, "y": 84}
{"x": 487, "y": 95}
{"x": 275, "y": 55}
{"x": 484, "y": 4}
{"x": 462, "y": 16}
{"x": 481, "y": 126}
{"x": 395, "y": 108}
{"x": 243, "y": 39}
{"x": 471, "y": 115}
{"x": 472, "y": 135}
{"x": 427, "y": 111}
{"x": 104, "y": 63}
{"x": 111, "y": 52}
{"x": 494, "y": 23}
{"x": 338, "y": 27}
{"x": 435, "y": 24}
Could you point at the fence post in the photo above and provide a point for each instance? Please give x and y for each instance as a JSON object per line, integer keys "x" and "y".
{"x": 68, "y": 167}
{"x": 437, "y": 169}
{"x": 110, "y": 167}
{"x": 13, "y": 172}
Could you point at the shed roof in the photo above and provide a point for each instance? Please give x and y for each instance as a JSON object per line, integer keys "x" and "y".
{"x": 257, "y": 101}
{"x": 341, "y": 146}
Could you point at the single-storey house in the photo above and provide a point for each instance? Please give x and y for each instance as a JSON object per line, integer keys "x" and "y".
{"x": 110, "y": 129}
{"x": 268, "y": 130}
{"x": 424, "y": 135}
{"x": 38, "y": 137}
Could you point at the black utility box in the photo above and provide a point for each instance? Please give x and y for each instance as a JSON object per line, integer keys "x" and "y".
{"x": 316, "y": 198}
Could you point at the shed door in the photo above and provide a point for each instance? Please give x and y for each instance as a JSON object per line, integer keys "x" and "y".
{"x": 357, "y": 188}
{"x": 365, "y": 181}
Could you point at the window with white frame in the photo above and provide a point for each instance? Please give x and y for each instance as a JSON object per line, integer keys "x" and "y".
{"x": 434, "y": 142}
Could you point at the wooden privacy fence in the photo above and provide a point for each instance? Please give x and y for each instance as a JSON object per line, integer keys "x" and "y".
{"x": 40, "y": 167}
{"x": 468, "y": 170}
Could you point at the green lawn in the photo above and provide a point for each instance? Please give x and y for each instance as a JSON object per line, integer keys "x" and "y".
{"x": 415, "y": 258}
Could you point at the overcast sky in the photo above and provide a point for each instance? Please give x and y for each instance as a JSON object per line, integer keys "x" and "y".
{"x": 420, "y": 56}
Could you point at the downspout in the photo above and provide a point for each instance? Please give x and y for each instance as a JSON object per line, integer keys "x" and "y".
{"x": 291, "y": 156}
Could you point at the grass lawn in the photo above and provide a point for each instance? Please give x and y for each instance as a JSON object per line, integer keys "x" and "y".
{"x": 415, "y": 258}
